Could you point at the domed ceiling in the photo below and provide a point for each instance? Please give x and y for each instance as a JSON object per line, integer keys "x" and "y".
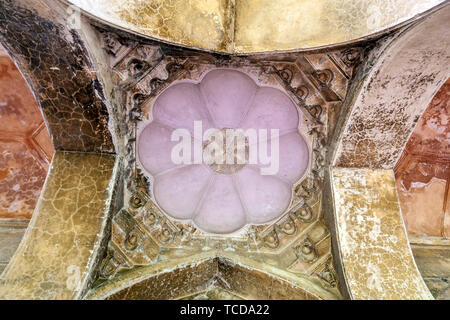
{"x": 243, "y": 171}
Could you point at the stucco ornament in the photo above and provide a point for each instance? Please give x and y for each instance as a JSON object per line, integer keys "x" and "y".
{"x": 223, "y": 197}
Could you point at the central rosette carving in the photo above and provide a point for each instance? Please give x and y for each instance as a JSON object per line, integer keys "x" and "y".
{"x": 224, "y": 152}
{"x": 234, "y": 147}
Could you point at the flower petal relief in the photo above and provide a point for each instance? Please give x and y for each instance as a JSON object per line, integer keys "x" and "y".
{"x": 223, "y": 153}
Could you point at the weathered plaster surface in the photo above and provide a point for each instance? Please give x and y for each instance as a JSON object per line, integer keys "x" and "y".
{"x": 245, "y": 26}
{"x": 21, "y": 180}
{"x": 423, "y": 172}
{"x": 423, "y": 193}
{"x": 431, "y": 137}
{"x": 265, "y": 25}
{"x": 394, "y": 95}
{"x": 422, "y": 207}
{"x": 54, "y": 60}
{"x": 25, "y": 146}
{"x": 60, "y": 249}
{"x": 373, "y": 244}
